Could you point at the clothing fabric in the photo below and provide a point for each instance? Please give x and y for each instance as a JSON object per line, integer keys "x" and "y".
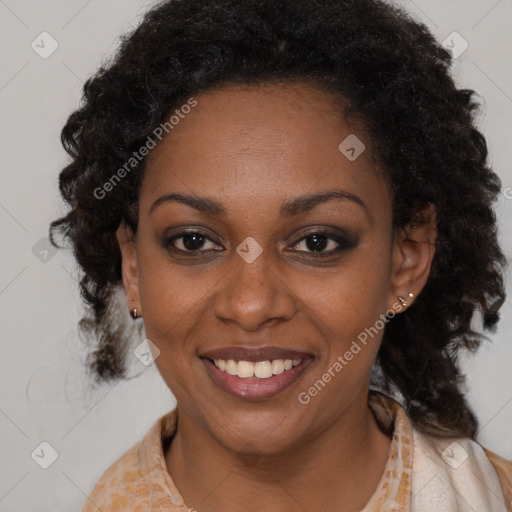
{"x": 422, "y": 473}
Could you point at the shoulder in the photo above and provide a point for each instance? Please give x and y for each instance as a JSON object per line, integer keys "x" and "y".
{"x": 447, "y": 473}
{"x": 503, "y": 468}
{"x": 459, "y": 472}
{"x": 124, "y": 476}
{"x": 138, "y": 481}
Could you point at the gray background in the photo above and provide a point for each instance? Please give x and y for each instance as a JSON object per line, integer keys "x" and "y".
{"x": 44, "y": 393}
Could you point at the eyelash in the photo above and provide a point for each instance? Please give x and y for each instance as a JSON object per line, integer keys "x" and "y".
{"x": 344, "y": 244}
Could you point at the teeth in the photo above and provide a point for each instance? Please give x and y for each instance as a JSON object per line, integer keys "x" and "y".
{"x": 277, "y": 366}
{"x": 245, "y": 369}
{"x": 232, "y": 367}
{"x": 220, "y": 363}
{"x": 263, "y": 369}
{"x": 260, "y": 369}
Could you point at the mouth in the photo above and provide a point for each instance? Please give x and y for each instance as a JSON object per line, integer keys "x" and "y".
{"x": 257, "y": 373}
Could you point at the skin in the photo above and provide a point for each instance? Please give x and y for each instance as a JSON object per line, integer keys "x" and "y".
{"x": 252, "y": 148}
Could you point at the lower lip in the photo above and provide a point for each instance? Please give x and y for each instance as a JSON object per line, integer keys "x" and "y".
{"x": 254, "y": 388}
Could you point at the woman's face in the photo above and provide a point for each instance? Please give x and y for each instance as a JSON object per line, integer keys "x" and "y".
{"x": 290, "y": 256}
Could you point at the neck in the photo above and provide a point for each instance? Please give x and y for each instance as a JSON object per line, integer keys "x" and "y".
{"x": 339, "y": 468}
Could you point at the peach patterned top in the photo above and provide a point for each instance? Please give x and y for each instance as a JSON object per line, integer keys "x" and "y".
{"x": 139, "y": 481}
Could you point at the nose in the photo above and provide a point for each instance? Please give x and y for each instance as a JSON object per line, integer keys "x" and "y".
{"x": 253, "y": 295}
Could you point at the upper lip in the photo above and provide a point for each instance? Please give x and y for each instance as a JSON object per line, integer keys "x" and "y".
{"x": 254, "y": 354}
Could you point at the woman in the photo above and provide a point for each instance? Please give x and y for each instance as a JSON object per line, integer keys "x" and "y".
{"x": 297, "y": 203}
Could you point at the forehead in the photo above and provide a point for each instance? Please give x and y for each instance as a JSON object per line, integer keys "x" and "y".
{"x": 263, "y": 143}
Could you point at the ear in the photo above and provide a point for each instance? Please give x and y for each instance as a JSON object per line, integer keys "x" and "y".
{"x": 126, "y": 240}
{"x": 413, "y": 252}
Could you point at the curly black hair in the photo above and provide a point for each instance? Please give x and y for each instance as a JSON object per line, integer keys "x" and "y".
{"x": 393, "y": 75}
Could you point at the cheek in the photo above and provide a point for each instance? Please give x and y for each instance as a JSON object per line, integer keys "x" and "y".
{"x": 347, "y": 305}
{"x": 173, "y": 300}
{"x": 350, "y": 298}
{"x": 347, "y": 315}
{"x": 172, "y": 297}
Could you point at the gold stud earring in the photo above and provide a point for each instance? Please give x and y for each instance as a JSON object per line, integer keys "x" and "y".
{"x": 403, "y": 301}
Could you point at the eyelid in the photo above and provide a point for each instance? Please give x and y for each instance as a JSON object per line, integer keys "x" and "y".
{"x": 344, "y": 241}
{"x": 167, "y": 240}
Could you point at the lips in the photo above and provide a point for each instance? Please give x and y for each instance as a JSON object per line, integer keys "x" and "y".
{"x": 254, "y": 388}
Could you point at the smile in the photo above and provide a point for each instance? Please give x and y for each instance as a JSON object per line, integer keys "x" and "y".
{"x": 255, "y": 373}
{"x": 260, "y": 369}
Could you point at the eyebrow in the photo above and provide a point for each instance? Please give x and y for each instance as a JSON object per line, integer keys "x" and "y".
{"x": 296, "y": 206}
{"x": 304, "y": 204}
{"x": 202, "y": 204}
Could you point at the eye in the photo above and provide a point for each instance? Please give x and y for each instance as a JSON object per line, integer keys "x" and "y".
{"x": 323, "y": 243}
{"x": 192, "y": 241}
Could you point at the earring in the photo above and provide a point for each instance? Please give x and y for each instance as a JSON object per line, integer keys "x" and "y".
{"x": 134, "y": 313}
{"x": 403, "y": 301}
